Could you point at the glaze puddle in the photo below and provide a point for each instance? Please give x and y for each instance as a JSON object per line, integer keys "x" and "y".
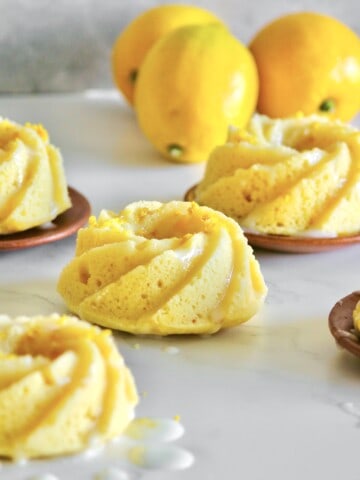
{"x": 154, "y": 429}
{"x": 147, "y": 444}
{"x": 160, "y": 457}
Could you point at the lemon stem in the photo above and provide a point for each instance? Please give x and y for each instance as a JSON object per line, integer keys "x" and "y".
{"x": 175, "y": 150}
{"x": 327, "y": 105}
{"x": 133, "y": 75}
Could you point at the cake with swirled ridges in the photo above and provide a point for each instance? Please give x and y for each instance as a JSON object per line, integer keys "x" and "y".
{"x": 63, "y": 385}
{"x": 163, "y": 268}
{"x": 294, "y": 176}
{"x": 33, "y": 188}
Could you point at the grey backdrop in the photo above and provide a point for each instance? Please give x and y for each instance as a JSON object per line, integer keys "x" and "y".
{"x": 63, "y": 45}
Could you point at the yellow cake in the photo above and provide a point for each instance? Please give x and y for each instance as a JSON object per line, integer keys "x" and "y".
{"x": 63, "y": 385}
{"x": 33, "y": 188}
{"x": 295, "y": 176}
{"x": 356, "y": 317}
{"x": 155, "y": 268}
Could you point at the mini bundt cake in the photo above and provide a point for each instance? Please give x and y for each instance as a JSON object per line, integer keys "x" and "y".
{"x": 33, "y": 188}
{"x": 155, "y": 268}
{"x": 296, "y": 176}
{"x": 63, "y": 384}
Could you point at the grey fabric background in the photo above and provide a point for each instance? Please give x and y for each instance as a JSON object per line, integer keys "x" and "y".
{"x": 64, "y": 45}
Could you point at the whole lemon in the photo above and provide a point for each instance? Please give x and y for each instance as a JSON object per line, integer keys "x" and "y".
{"x": 308, "y": 62}
{"x": 194, "y": 83}
{"x": 133, "y": 43}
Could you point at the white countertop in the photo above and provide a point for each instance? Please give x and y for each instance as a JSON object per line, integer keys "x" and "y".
{"x": 272, "y": 399}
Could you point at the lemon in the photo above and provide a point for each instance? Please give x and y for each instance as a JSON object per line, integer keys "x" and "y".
{"x": 133, "y": 43}
{"x": 195, "y": 82}
{"x": 308, "y": 62}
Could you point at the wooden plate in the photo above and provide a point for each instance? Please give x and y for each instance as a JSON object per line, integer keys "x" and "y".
{"x": 341, "y": 323}
{"x": 62, "y": 226}
{"x": 284, "y": 243}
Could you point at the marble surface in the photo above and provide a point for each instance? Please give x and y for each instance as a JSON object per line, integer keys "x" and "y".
{"x": 274, "y": 398}
{"x": 48, "y": 46}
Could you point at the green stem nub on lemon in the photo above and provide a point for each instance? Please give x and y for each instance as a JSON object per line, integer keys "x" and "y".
{"x": 327, "y": 105}
{"x": 175, "y": 151}
{"x": 132, "y": 76}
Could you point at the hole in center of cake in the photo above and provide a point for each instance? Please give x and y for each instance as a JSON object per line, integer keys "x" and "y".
{"x": 176, "y": 224}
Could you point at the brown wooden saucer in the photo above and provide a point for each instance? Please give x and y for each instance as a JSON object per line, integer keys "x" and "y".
{"x": 283, "y": 243}
{"x": 62, "y": 226}
{"x": 300, "y": 244}
{"x": 190, "y": 194}
{"x": 341, "y": 323}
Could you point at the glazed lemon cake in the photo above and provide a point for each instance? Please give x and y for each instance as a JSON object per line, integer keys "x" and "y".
{"x": 163, "y": 268}
{"x": 295, "y": 176}
{"x": 33, "y": 187}
{"x": 63, "y": 384}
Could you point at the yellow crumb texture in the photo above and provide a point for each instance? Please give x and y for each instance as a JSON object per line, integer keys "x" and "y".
{"x": 33, "y": 188}
{"x": 287, "y": 176}
{"x": 163, "y": 268}
{"x": 63, "y": 383}
{"x": 356, "y": 317}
